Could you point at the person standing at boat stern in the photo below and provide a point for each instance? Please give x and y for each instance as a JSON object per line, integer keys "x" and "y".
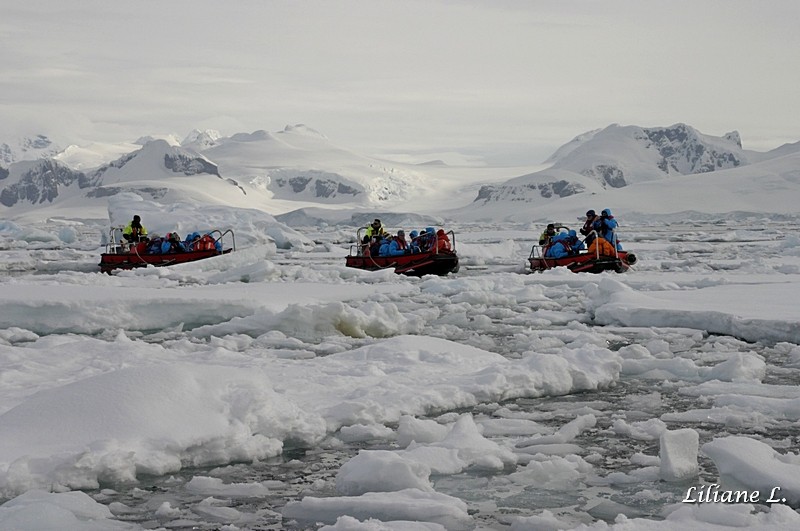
{"x": 588, "y": 227}
{"x": 135, "y": 231}
{"x": 606, "y": 227}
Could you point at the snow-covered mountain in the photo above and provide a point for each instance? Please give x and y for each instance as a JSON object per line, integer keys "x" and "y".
{"x": 621, "y": 156}
{"x": 27, "y": 148}
{"x": 618, "y": 156}
{"x": 301, "y": 164}
{"x": 156, "y": 171}
{"x": 199, "y": 140}
{"x": 39, "y": 181}
{"x": 300, "y": 169}
{"x": 156, "y": 160}
{"x": 295, "y": 165}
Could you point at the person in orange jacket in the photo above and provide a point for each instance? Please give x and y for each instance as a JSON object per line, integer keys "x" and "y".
{"x": 602, "y": 247}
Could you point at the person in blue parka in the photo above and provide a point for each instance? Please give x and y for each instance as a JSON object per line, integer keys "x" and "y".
{"x": 605, "y": 227}
{"x": 427, "y": 238}
{"x": 383, "y": 250}
{"x": 413, "y": 245}
{"x": 396, "y": 248}
{"x": 575, "y": 243}
{"x": 559, "y": 247}
{"x": 172, "y": 244}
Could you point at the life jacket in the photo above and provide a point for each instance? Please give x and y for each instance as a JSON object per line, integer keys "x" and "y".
{"x": 191, "y": 241}
{"x": 205, "y": 243}
{"x": 588, "y": 226}
{"x": 605, "y": 247}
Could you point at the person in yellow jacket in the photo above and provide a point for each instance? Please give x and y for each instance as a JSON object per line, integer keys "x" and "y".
{"x": 135, "y": 231}
{"x": 547, "y": 235}
{"x": 376, "y": 229}
{"x": 372, "y": 238}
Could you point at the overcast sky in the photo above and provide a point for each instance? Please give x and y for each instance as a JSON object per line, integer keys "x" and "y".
{"x": 395, "y": 76}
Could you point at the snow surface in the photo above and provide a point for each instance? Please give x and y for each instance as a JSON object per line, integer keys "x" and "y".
{"x": 275, "y": 387}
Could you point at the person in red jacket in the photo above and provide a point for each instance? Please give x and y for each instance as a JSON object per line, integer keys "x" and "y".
{"x": 442, "y": 241}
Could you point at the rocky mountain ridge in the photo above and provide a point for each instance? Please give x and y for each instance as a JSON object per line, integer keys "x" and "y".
{"x": 26, "y": 148}
{"x": 46, "y": 179}
{"x": 618, "y": 156}
{"x": 298, "y": 165}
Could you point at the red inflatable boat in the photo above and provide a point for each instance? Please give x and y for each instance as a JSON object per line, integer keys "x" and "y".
{"x": 120, "y": 254}
{"x": 439, "y": 259}
{"x": 582, "y": 261}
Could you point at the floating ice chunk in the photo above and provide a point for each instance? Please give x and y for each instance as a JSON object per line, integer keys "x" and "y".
{"x": 646, "y": 474}
{"x": 659, "y": 348}
{"x": 718, "y": 388}
{"x": 216, "y": 511}
{"x": 525, "y": 454}
{"x": 348, "y": 523}
{"x": 755, "y": 466}
{"x": 420, "y": 430}
{"x": 663, "y": 369}
{"x": 546, "y": 521}
{"x": 568, "y": 432}
{"x": 365, "y": 432}
{"x": 166, "y": 511}
{"x": 474, "y": 447}
{"x": 635, "y": 352}
{"x": 494, "y": 427}
{"x": 440, "y": 460}
{"x": 408, "y": 504}
{"x": 679, "y": 454}
{"x": 646, "y": 430}
{"x": 68, "y": 234}
{"x": 552, "y": 472}
{"x": 609, "y": 509}
{"x": 794, "y": 356}
{"x": 740, "y": 367}
{"x": 66, "y": 511}
{"x": 14, "y": 334}
{"x": 381, "y": 471}
{"x": 646, "y": 460}
{"x": 209, "y": 486}
{"x": 705, "y": 516}
{"x": 720, "y": 414}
